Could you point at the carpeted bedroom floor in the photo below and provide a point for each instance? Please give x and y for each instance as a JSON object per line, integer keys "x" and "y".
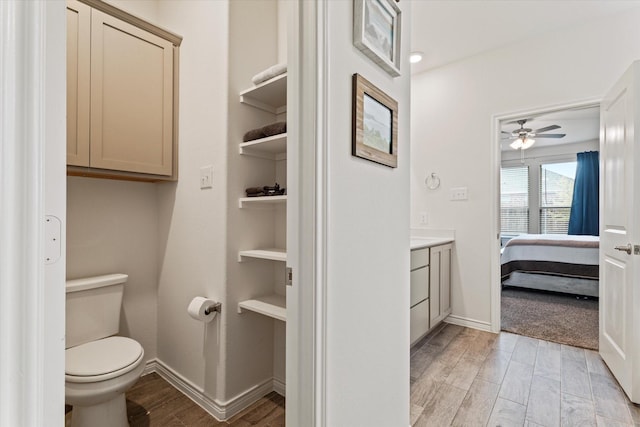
{"x": 553, "y": 317}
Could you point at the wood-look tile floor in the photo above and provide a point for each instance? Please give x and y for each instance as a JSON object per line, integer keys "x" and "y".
{"x": 153, "y": 402}
{"x": 466, "y": 377}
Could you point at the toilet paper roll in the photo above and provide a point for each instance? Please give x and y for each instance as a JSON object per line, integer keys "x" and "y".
{"x": 197, "y": 308}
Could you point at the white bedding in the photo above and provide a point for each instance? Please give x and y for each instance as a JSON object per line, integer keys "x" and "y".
{"x": 553, "y": 247}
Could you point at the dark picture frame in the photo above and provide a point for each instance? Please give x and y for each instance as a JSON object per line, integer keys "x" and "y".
{"x": 377, "y": 31}
{"x": 374, "y": 123}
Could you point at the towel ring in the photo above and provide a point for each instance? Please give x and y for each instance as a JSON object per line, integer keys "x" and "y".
{"x": 432, "y": 181}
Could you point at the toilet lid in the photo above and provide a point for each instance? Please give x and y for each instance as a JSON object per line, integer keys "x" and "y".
{"x": 101, "y": 356}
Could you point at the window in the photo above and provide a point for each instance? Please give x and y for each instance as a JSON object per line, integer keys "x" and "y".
{"x": 556, "y": 194}
{"x": 514, "y": 200}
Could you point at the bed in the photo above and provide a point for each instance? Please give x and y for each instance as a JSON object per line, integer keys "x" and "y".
{"x": 552, "y": 262}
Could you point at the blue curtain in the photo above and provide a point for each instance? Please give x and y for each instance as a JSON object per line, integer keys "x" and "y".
{"x": 584, "y": 218}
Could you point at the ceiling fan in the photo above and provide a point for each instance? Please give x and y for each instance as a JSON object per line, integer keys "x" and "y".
{"x": 523, "y": 138}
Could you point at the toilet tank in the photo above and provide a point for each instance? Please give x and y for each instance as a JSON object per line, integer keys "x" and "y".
{"x": 93, "y": 308}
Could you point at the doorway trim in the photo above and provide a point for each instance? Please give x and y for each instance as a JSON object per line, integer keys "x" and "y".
{"x": 496, "y": 160}
{"x": 32, "y": 188}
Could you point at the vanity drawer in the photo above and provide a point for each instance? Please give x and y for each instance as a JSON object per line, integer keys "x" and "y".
{"x": 419, "y": 321}
{"x": 419, "y": 285}
{"x": 419, "y": 258}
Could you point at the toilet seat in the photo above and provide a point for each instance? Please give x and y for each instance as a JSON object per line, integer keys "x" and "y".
{"x": 102, "y": 360}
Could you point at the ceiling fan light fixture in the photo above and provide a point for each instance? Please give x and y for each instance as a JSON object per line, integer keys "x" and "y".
{"x": 527, "y": 143}
{"x": 522, "y": 143}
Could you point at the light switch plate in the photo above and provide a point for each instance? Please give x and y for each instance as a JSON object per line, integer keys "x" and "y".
{"x": 206, "y": 177}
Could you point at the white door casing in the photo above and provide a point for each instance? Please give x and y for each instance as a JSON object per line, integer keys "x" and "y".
{"x": 32, "y": 189}
{"x": 306, "y": 214}
{"x": 619, "y": 282}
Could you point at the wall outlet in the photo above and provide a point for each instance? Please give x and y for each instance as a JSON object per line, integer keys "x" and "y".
{"x": 423, "y": 218}
{"x": 459, "y": 193}
{"x": 206, "y": 177}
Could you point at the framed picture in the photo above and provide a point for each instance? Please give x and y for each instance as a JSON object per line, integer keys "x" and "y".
{"x": 376, "y": 32}
{"x": 375, "y": 124}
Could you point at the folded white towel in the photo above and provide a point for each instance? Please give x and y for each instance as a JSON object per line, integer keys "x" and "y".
{"x": 269, "y": 73}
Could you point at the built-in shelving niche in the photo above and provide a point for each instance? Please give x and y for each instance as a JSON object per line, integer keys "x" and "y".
{"x": 270, "y": 96}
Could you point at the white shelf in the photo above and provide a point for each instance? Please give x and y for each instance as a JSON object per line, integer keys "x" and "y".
{"x": 271, "y": 305}
{"x": 272, "y": 254}
{"x": 272, "y": 148}
{"x": 269, "y": 96}
{"x": 262, "y": 201}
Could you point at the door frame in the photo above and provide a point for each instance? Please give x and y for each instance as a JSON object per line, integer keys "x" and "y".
{"x": 496, "y": 160}
{"x": 307, "y": 211}
{"x": 33, "y": 187}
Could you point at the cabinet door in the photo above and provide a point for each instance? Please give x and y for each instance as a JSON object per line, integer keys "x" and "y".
{"x": 131, "y": 98}
{"x": 78, "y": 69}
{"x": 434, "y": 283}
{"x": 445, "y": 280}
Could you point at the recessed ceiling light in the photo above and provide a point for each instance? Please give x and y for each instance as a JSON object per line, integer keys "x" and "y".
{"x": 415, "y": 57}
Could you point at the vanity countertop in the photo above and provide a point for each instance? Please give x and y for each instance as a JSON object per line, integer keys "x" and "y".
{"x": 427, "y": 242}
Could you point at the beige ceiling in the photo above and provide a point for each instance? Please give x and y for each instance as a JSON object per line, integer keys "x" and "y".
{"x": 450, "y": 30}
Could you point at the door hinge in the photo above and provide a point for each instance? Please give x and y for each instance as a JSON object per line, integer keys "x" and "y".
{"x": 289, "y": 276}
{"x": 53, "y": 245}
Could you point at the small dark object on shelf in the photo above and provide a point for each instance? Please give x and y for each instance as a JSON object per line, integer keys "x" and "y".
{"x": 265, "y": 191}
{"x": 275, "y": 128}
{"x": 265, "y": 131}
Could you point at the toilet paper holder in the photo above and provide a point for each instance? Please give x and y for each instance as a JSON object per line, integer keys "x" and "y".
{"x": 215, "y": 307}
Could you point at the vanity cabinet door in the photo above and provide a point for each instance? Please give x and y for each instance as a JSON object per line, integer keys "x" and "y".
{"x": 440, "y": 283}
{"x": 445, "y": 280}
{"x": 434, "y": 284}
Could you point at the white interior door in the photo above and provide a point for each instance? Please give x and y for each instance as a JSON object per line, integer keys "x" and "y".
{"x": 619, "y": 283}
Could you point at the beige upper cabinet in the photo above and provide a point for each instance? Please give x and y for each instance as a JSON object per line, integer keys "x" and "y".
{"x": 78, "y": 69}
{"x": 121, "y": 122}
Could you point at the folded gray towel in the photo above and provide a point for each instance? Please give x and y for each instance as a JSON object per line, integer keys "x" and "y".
{"x": 265, "y": 131}
{"x": 269, "y": 73}
{"x": 253, "y": 134}
{"x": 274, "y": 128}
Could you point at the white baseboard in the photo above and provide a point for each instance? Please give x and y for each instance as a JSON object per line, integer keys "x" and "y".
{"x": 279, "y": 387}
{"x": 149, "y": 367}
{"x": 220, "y": 410}
{"x": 468, "y": 323}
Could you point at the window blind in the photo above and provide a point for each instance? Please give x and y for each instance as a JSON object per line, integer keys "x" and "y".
{"x": 514, "y": 200}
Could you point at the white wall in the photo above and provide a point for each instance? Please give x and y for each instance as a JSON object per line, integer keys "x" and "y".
{"x": 191, "y": 246}
{"x": 367, "y": 331}
{"x": 112, "y": 227}
{"x": 452, "y": 109}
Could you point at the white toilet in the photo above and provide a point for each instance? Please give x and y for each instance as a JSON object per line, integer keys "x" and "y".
{"x": 99, "y": 367}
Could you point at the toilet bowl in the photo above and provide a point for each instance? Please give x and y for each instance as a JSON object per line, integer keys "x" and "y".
{"x": 99, "y": 367}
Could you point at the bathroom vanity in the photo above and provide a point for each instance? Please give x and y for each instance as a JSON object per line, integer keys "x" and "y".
{"x": 430, "y": 300}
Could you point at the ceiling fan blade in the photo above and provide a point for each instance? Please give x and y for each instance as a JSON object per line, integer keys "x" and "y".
{"x": 544, "y": 129}
{"x": 550, "y": 135}
{"x": 506, "y": 133}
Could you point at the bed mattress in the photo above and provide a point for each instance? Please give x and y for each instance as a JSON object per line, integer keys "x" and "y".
{"x": 552, "y": 254}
